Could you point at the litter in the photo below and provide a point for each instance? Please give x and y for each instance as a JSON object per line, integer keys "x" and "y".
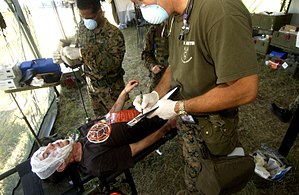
{"x": 269, "y": 164}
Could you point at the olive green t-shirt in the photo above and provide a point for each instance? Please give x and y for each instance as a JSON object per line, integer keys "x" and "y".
{"x": 218, "y": 49}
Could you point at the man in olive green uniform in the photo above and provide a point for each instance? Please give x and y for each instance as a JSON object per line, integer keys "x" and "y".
{"x": 212, "y": 58}
{"x": 155, "y": 53}
{"x": 101, "y": 48}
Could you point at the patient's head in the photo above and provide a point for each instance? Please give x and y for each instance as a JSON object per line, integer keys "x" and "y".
{"x": 46, "y": 160}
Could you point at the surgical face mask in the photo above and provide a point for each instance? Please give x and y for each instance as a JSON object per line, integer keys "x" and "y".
{"x": 154, "y": 14}
{"x": 90, "y": 24}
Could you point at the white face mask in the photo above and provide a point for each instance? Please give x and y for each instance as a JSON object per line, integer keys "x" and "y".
{"x": 90, "y": 24}
{"x": 154, "y": 14}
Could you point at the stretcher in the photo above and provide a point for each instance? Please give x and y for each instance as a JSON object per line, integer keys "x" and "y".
{"x": 79, "y": 180}
{"x": 32, "y": 184}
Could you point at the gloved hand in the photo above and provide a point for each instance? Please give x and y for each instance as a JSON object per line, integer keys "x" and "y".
{"x": 165, "y": 110}
{"x": 56, "y": 57}
{"x": 148, "y": 101}
{"x": 71, "y": 53}
{"x": 71, "y": 63}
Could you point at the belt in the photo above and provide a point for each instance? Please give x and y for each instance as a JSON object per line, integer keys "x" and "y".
{"x": 228, "y": 113}
{"x": 105, "y": 82}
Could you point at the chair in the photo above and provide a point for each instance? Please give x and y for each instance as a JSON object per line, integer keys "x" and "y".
{"x": 31, "y": 183}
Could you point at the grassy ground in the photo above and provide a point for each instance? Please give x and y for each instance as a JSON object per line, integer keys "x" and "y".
{"x": 164, "y": 174}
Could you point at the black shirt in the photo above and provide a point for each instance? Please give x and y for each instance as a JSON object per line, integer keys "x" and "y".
{"x": 114, "y": 154}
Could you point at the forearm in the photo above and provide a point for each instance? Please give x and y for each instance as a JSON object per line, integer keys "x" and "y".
{"x": 150, "y": 139}
{"x": 118, "y": 105}
{"x": 224, "y": 96}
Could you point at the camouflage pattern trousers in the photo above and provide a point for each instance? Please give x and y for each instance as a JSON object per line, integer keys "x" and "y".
{"x": 104, "y": 95}
{"x": 192, "y": 152}
{"x": 196, "y": 146}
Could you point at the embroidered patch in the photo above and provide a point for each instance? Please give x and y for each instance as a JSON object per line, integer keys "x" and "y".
{"x": 99, "y": 132}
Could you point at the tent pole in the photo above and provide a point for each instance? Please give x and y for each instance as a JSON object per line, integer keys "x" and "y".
{"x": 27, "y": 122}
{"x": 16, "y": 9}
{"x": 58, "y": 19}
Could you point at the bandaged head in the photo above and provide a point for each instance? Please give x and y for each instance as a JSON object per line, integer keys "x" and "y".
{"x": 47, "y": 166}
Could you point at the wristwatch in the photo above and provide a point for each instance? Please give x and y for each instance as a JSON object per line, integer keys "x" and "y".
{"x": 182, "y": 110}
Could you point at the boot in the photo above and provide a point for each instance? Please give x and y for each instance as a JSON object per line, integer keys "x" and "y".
{"x": 284, "y": 115}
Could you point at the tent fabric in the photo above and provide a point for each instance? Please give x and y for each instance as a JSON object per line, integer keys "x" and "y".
{"x": 125, "y": 10}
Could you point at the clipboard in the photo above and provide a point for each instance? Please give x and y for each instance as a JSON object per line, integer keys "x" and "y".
{"x": 138, "y": 118}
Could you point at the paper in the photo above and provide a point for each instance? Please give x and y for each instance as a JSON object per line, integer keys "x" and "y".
{"x": 138, "y": 118}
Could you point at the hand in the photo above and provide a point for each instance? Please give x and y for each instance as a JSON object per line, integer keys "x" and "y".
{"x": 71, "y": 52}
{"x": 171, "y": 123}
{"x": 131, "y": 85}
{"x": 56, "y": 57}
{"x": 148, "y": 101}
{"x": 156, "y": 69}
{"x": 71, "y": 63}
{"x": 165, "y": 110}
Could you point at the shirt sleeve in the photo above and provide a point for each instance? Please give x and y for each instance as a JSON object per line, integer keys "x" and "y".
{"x": 232, "y": 48}
{"x": 148, "y": 54}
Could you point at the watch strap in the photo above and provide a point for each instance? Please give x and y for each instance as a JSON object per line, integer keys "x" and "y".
{"x": 182, "y": 110}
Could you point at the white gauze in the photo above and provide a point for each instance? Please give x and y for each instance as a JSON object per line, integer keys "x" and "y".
{"x": 45, "y": 168}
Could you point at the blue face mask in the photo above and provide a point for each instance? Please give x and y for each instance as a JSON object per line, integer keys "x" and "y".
{"x": 90, "y": 24}
{"x": 154, "y": 14}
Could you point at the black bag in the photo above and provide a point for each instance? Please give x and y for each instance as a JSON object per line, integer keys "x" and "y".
{"x": 224, "y": 175}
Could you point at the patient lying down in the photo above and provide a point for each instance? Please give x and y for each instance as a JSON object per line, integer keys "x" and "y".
{"x": 107, "y": 147}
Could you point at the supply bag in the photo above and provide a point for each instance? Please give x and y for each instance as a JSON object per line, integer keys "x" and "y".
{"x": 224, "y": 175}
{"x": 219, "y": 133}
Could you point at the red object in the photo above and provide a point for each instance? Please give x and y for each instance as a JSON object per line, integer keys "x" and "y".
{"x": 69, "y": 81}
{"x": 123, "y": 116}
{"x": 272, "y": 64}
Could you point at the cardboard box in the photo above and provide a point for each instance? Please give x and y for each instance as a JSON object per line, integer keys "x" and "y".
{"x": 10, "y": 72}
{"x": 285, "y": 40}
{"x": 261, "y": 46}
{"x": 291, "y": 28}
{"x": 9, "y": 84}
{"x": 270, "y": 22}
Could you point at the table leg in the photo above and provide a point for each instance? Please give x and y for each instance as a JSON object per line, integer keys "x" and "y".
{"x": 27, "y": 122}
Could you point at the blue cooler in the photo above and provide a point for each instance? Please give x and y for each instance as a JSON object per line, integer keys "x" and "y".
{"x": 42, "y": 66}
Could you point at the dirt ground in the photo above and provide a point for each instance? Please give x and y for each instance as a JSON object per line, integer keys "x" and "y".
{"x": 164, "y": 174}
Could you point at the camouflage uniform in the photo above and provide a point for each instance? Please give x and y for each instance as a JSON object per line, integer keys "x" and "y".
{"x": 195, "y": 141}
{"x": 155, "y": 53}
{"x": 102, "y": 51}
